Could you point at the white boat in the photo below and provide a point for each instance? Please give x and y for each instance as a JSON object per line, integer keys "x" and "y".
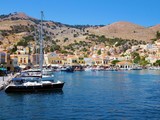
{"x": 33, "y": 80}
{"x": 20, "y": 85}
{"x": 88, "y": 69}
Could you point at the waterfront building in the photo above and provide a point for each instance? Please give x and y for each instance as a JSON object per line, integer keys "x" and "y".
{"x": 72, "y": 60}
{"x": 14, "y": 62}
{"x": 100, "y": 60}
{"x": 23, "y": 60}
{"x": 125, "y": 65}
{"x": 35, "y": 59}
{"x": 63, "y": 58}
{"x": 5, "y": 60}
{"x": 88, "y": 61}
{"x": 23, "y": 56}
{"x": 81, "y": 60}
{"x": 52, "y": 59}
{"x": 97, "y": 61}
{"x": 3, "y": 57}
{"x": 152, "y": 58}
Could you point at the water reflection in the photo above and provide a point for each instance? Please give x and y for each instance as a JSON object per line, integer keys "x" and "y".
{"x": 53, "y": 92}
{"x": 90, "y": 95}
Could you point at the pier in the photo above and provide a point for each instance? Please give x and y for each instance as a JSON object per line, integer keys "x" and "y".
{"x": 4, "y": 81}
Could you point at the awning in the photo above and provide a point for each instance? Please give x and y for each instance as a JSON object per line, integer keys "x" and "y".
{"x": 3, "y": 69}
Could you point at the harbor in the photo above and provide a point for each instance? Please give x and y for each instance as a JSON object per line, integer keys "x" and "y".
{"x": 90, "y": 95}
{"x": 79, "y": 60}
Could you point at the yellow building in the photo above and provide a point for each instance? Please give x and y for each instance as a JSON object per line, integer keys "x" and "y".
{"x": 23, "y": 56}
{"x": 72, "y": 60}
{"x": 97, "y": 61}
{"x": 81, "y": 61}
{"x": 53, "y": 58}
{"x": 23, "y": 60}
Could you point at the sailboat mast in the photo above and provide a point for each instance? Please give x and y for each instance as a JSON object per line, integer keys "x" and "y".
{"x": 41, "y": 43}
{"x": 36, "y": 43}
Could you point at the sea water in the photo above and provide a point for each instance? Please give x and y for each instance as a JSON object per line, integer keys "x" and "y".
{"x": 90, "y": 95}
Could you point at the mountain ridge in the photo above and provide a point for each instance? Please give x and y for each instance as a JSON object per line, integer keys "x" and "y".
{"x": 127, "y": 30}
{"x": 16, "y": 26}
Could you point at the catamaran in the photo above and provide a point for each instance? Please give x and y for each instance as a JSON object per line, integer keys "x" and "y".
{"x": 34, "y": 80}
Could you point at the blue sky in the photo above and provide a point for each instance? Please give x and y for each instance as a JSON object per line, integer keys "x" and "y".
{"x": 93, "y": 12}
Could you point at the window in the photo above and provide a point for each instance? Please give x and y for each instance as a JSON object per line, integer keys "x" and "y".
{"x": 24, "y": 60}
{"x": 21, "y": 60}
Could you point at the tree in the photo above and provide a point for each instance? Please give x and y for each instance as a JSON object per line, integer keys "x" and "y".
{"x": 84, "y": 49}
{"x": 143, "y": 62}
{"x": 136, "y": 57}
{"x": 75, "y": 35}
{"x": 23, "y": 42}
{"x": 158, "y": 35}
{"x": 99, "y": 52}
{"x": 55, "y": 47}
{"x": 157, "y": 63}
{"x": 14, "y": 49}
{"x": 65, "y": 39}
{"x": 115, "y": 61}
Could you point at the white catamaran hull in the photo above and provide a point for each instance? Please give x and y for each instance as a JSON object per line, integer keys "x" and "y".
{"x": 35, "y": 87}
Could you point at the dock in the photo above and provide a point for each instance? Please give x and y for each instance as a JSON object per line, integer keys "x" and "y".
{"x": 4, "y": 81}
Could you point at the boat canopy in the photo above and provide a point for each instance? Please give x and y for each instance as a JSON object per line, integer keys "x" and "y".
{"x": 17, "y": 79}
{"x": 3, "y": 69}
{"x": 26, "y": 79}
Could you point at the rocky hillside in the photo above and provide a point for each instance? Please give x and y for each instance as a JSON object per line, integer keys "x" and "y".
{"x": 127, "y": 30}
{"x": 14, "y": 27}
{"x": 20, "y": 29}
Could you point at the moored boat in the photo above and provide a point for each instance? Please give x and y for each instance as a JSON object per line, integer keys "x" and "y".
{"x": 67, "y": 69}
{"x": 21, "y": 85}
{"x": 35, "y": 80}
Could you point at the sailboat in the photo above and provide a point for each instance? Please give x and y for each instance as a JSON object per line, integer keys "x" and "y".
{"x": 31, "y": 81}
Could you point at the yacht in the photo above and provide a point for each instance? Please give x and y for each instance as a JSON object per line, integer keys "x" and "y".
{"x": 32, "y": 82}
{"x": 23, "y": 85}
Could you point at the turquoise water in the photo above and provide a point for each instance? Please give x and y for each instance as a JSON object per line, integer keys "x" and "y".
{"x": 98, "y": 95}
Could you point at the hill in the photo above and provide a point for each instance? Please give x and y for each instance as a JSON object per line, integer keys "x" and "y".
{"x": 19, "y": 28}
{"x": 127, "y": 30}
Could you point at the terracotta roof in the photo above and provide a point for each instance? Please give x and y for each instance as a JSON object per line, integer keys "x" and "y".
{"x": 72, "y": 56}
{"x": 124, "y": 63}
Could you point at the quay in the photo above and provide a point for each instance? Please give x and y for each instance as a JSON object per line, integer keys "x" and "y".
{"x": 5, "y": 80}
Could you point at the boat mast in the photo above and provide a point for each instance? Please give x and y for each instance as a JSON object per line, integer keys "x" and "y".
{"x": 36, "y": 43}
{"x": 41, "y": 44}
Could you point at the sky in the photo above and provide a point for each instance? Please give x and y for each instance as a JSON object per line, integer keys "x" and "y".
{"x": 92, "y": 12}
